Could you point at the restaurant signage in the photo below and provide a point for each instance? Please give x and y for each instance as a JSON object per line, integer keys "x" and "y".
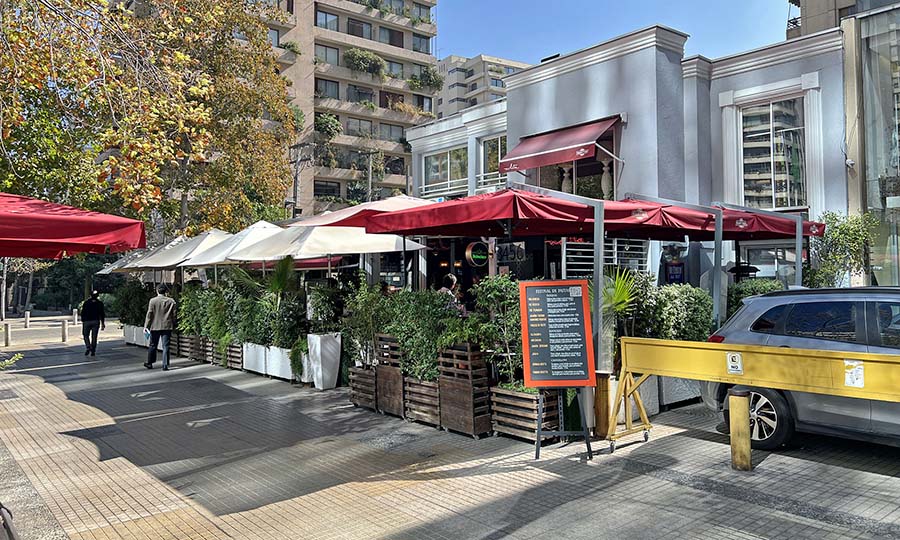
{"x": 556, "y": 333}
{"x": 477, "y": 254}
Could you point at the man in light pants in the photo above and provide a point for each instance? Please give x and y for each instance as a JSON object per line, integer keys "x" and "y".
{"x": 93, "y": 319}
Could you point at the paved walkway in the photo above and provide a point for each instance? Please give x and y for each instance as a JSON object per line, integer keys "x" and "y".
{"x": 100, "y": 448}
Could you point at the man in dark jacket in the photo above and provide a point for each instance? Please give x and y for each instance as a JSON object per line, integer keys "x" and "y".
{"x": 160, "y": 322}
{"x": 93, "y": 319}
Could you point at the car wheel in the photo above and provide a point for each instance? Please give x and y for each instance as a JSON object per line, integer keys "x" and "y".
{"x": 771, "y": 421}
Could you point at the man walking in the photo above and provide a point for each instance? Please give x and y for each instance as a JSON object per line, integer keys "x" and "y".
{"x": 93, "y": 319}
{"x": 160, "y": 321}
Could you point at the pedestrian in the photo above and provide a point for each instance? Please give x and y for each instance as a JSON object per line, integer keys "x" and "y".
{"x": 93, "y": 319}
{"x": 160, "y": 322}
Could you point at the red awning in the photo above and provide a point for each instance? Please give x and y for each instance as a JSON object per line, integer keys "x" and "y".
{"x": 41, "y": 229}
{"x": 522, "y": 213}
{"x": 559, "y": 146}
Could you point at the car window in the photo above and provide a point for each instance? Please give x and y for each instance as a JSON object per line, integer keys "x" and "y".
{"x": 766, "y": 323}
{"x": 834, "y": 321}
{"x": 888, "y": 317}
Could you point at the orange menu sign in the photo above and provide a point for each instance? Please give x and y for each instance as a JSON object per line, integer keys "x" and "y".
{"x": 556, "y": 333}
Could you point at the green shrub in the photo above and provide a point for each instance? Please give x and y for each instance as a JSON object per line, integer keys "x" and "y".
{"x": 497, "y": 304}
{"x": 750, "y": 287}
{"x": 288, "y": 323}
{"x": 686, "y": 313}
{"x": 298, "y": 349}
{"x": 326, "y": 308}
{"x": 365, "y": 61}
{"x": 191, "y": 311}
{"x": 418, "y": 319}
{"x": 429, "y": 78}
{"x": 367, "y": 315}
{"x": 110, "y": 304}
{"x": 328, "y": 126}
{"x": 131, "y": 302}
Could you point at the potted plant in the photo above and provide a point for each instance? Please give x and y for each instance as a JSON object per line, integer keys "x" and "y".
{"x": 131, "y": 304}
{"x": 300, "y": 369}
{"x": 325, "y": 308}
{"x": 286, "y": 318}
{"x": 366, "y": 316}
{"x": 190, "y": 322}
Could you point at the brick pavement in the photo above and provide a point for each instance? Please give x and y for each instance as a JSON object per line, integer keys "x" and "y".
{"x": 115, "y": 451}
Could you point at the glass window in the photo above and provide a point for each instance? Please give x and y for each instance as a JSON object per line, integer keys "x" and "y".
{"x": 473, "y": 86}
{"x": 327, "y": 89}
{"x": 391, "y": 132}
{"x": 359, "y": 28}
{"x": 510, "y": 70}
{"x": 459, "y": 163}
{"x": 436, "y": 168}
{"x": 774, "y": 155}
{"x": 323, "y": 188}
{"x": 328, "y": 55}
{"x": 470, "y": 73}
{"x": 274, "y": 37}
{"x": 395, "y": 69}
{"x": 326, "y": 20}
{"x": 491, "y": 151}
{"x": 423, "y": 102}
{"x": 388, "y": 99}
{"x": 394, "y": 165}
{"x": 766, "y": 324}
{"x": 357, "y": 94}
{"x": 359, "y": 128}
{"x": 835, "y": 321}
{"x": 473, "y": 101}
{"x": 888, "y": 316}
{"x": 421, "y": 43}
{"x": 495, "y": 97}
{"x": 390, "y": 36}
{"x": 497, "y": 83}
{"x": 417, "y": 70}
{"x": 289, "y": 6}
{"x": 394, "y": 6}
{"x": 421, "y": 12}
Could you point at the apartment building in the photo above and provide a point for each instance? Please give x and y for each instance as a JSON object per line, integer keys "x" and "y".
{"x": 366, "y": 63}
{"x": 472, "y": 81}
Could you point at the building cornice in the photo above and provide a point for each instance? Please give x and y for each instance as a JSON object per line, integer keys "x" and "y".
{"x": 655, "y": 36}
{"x": 696, "y": 66}
{"x": 773, "y": 55}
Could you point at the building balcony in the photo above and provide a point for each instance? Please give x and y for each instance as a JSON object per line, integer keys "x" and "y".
{"x": 283, "y": 57}
{"x": 337, "y": 173}
{"x": 488, "y": 182}
{"x": 285, "y": 22}
{"x": 323, "y": 35}
{"x": 359, "y": 110}
{"x": 331, "y": 71}
{"x": 393, "y": 19}
{"x": 372, "y": 143}
{"x": 444, "y": 189}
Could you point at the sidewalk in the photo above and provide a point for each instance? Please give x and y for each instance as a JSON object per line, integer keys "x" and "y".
{"x": 116, "y": 451}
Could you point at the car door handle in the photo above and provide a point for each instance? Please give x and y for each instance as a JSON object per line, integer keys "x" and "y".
{"x": 785, "y": 346}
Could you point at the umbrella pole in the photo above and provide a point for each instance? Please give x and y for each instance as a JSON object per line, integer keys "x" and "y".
{"x": 329, "y": 265}
{"x": 403, "y": 263}
{"x": 264, "y": 268}
{"x": 216, "y": 273}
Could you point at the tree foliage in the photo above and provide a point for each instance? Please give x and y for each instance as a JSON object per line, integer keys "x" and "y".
{"x": 105, "y": 106}
{"x": 841, "y": 250}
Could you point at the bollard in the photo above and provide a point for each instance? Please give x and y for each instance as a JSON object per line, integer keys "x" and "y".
{"x": 75, "y": 316}
{"x": 7, "y": 334}
{"x": 65, "y": 331}
{"x": 739, "y": 427}
{"x": 27, "y": 319}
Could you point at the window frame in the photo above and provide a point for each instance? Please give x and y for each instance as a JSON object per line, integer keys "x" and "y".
{"x": 499, "y": 83}
{"x": 277, "y": 41}
{"x": 363, "y": 25}
{"x": 336, "y": 84}
{"x": 859, "y": 322}
{"x": 778, "y": 329}
{"x": 417, "y": 97}
{"x": 402, "y": 68}
{"x": 445, "y": 154}
{"x": 392, "y": 32}
{"x": 364, "y": 90}
{"x": 417, "y": 11}
{"x": 316, "y": 182}
{"x": 873, "y": 335}
{"x": 358, "y": 121}
{"x": 419, "y": 38}
{"x": 337, "y": 53}
{"x": 326, "y": 26}
{"x": 391, "y": 127}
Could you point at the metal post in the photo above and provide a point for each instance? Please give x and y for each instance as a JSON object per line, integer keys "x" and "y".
{"x": 7, "y": 334}
{"x": 75, "y": 316}
{"x": 369, "y": 193}
{"x": 739, "y": 428}
{"x": 65, "y": 331}
{"x": 798, "y": 253}
{"x": 403, "y": 263}
{"x": 717, "y": 271}
{"x": 27, "y": 319}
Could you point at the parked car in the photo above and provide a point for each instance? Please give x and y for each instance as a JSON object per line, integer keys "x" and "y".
{"x": 856, "y": 320}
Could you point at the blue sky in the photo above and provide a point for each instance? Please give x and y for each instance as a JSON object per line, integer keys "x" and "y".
{"x": 528, "y": 30}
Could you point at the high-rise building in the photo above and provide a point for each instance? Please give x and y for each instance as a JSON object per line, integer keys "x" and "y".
{"x": 362, "y": 62}
{"x": 470, "y": 81}
{"x": 817, "y": 15}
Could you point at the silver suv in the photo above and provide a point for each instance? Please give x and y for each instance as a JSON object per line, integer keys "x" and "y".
{"x": 863, "y": 319}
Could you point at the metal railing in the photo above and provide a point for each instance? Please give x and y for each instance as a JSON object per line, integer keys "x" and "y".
{"x": 490, "y": 182}
{"x": 451, "y": 187}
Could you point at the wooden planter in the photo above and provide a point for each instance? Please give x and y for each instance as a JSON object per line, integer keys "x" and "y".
{"x": 189, "y": 346}
{"x": 362, "y": 387}
{"x": 388, "y": 376}
{"x": 235, "y": 356}
{"x": 464, "y": 392}
{"x": 515, "y": 413}
{"x": 422, "y": 401}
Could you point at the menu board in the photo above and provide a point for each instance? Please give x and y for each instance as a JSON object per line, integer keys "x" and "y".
{"x": 556, "y": 333}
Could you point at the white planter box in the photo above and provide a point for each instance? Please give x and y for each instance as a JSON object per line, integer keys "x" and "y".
{"x": 127, "y": 333}
{"x": 325, "y": 359}
{"x": 649, "y": 392}
{"x": 278, "y": 363}
{"x": 307, "y": 375}
{"x": 254, "y": 358}
{"x": 674, "y": 390}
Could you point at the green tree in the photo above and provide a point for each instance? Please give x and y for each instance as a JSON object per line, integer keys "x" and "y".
{"x": 841, "y": 250}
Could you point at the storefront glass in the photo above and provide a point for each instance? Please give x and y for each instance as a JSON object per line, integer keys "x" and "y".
{"x": 881, "y": 96}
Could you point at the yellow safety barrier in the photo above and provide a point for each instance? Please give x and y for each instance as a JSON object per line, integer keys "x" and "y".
{"x": 856, "y": 375}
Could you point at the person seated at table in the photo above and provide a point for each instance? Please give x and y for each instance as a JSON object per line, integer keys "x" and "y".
{"x": 449, "y": 288}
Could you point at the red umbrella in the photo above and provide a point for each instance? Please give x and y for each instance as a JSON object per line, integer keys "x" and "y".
{"x": 41, "y": 229}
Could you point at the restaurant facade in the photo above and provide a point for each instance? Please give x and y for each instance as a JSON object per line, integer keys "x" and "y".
{"x": 633, "y": 116}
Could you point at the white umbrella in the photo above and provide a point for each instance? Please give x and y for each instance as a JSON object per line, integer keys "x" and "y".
{"x": 175, "y": 255}
{"x": 315, "y": 242}
{"x": 133, "y": 264}
{"x": 218, "y": 254}
{"x": 355, "y": 216}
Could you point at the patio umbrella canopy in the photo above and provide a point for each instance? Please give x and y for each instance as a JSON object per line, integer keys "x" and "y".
{"x": 312, "y": 242}
{"x": 41, "y": 229}
{"x": 218, "y": 254}
{"x": 180, "y": 252}
{"x": 357, "y": 216}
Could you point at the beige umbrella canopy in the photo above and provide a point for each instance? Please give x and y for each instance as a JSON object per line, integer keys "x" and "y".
{"x": 218, "y": 254}
{"x": 177, "y": 254}
{"x": 316, "y": 242}
{"x": 356, "y": 216}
